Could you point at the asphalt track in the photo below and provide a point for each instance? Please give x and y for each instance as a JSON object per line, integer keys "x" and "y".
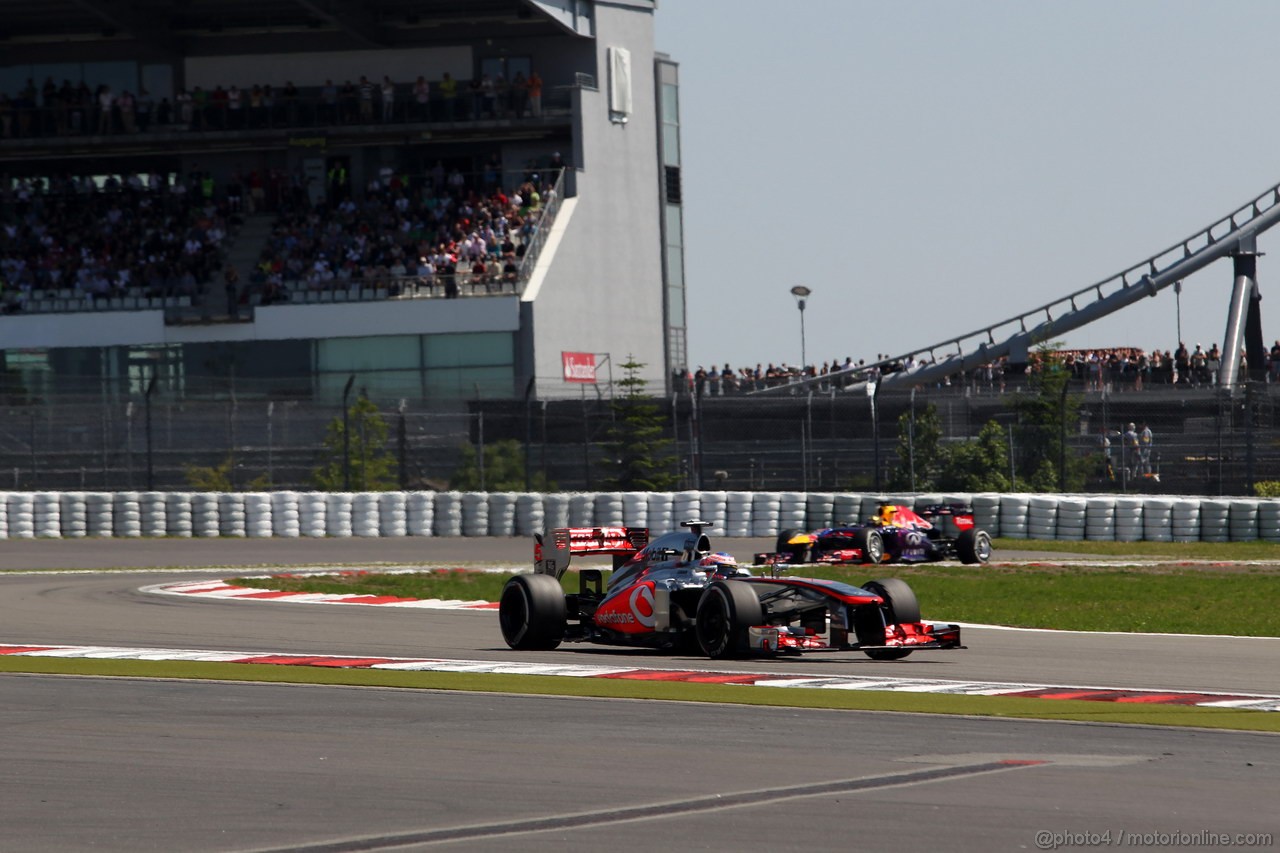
{"x": 121, "y": 764}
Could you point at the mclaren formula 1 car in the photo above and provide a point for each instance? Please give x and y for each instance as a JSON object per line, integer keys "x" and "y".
{"x": 674, "y": 593}
{"x": 896, "y": 534}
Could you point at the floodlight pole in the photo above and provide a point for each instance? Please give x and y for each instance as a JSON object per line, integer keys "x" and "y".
{"x": 801, "y": 293}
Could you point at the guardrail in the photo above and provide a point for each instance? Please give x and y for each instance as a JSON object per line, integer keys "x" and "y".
{"x": 1119, "y": 518}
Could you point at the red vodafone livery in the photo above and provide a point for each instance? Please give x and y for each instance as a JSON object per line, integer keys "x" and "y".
{"x": 674, "y": 593}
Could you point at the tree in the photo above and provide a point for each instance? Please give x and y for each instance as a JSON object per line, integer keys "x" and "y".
{"x": 372, "y": 467}
{"x": 218, "y": 478}
{"x": 1045, "y": 415}
{"x": 637, "y": 456}
{"x": 503, "y": 469}
{"x": 921, "y": 456}
{"x": 978, "y": 465}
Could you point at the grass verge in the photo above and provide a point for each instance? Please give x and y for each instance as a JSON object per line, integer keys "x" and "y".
{"x": 605, "y": 688}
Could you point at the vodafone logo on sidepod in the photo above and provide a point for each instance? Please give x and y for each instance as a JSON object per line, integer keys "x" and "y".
{"x": 642, "y": 605}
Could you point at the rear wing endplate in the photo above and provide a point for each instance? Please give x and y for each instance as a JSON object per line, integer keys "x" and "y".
{"x": 552, "y": 551}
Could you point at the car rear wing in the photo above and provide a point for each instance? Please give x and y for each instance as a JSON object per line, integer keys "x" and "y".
{"x": 552, "y": 551}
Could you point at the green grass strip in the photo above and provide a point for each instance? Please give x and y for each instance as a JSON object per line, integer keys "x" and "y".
{"x": 610, "y": 688}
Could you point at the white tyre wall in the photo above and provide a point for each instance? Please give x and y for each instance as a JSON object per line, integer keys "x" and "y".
{"x": 4, "y": 514}
{"x": 1186, "y": 520}
{"x": 1013, "y": 516}
{"x": 338, "y": 514}
{"x": 1157, "y": 519}
{"x": 393, "y": 514}
{"x": 475, "y": 513}
{"x": 925, "y": 499}
{"x": 847, "y": 508}
{"x": 1071, "y": 518}
{"x": 582, "y": 509}
{"x": 1042, "y": 517}
{"x": 1269, "y": 520}
{"x": 986, "y": 513}
{"x": 152, "y": 508}
{"x": 286, "y": 517}
{"x": 257, "y": 515}
{"x": 100, "y": 513}
{"x": 22, "y": 516}
{"x": 737, "y": 521}
{"x": 819, "y": 510}
{"x": 231, "y": 514}
{"x": 204, "y": 514}
{"x": 448, "y": 514}
{"x": 502, "y": 514}
{"x": 531, "y": 516}
{"x": 766, "y": 511}
{"x": 420, "y": 513}
{"x": 1129, "y": 519}
{"x": 635, "y": 508}
{"x": 313, "y": 515}
{"x": 791, "y": 510}
{"x": 1243, "y": 520}
{"x": 661, "y": 512}
{"x": 177, "y": 514}
{"x": 364, "y": 515}
{"x": 75, "y": 515}
{"x": 47, "y": 515}
{"x": 687, "y": 507}
{"x": 555, "y": 511}
{"x": 608, "y": 510}
{"x": 1214, "y": 521}
{"x": 1100, "y": 519}
{"x": 127, "y": 515}
{"x": 715, "y": 509}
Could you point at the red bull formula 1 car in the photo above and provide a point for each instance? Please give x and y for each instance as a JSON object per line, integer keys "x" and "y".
{"x": 674, "y": 593}
{"x": 896, "y": 534}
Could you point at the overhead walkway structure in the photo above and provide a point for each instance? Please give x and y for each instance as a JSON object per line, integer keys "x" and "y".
{"x": 1234, "y": 235}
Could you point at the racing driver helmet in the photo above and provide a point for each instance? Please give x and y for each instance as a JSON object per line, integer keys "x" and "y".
{"x": 885, "y": 517}
{"x": 719, "y": 564}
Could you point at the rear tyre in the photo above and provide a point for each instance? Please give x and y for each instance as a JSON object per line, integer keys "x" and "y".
{"x": 973, "y": 546}
{"x": 726, "y": 611}
{"x": 900, "y": 605}
{"x": 871, "y": 543}
{"x": 532, "y": 613}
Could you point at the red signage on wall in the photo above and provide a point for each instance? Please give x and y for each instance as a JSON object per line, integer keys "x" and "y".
{"x": 579, "y": 366}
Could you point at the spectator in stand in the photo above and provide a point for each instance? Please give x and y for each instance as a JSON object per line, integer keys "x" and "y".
{"x": 535, "y": 95}
{"x": 422, "y": 99}
{"x": 449, "y": 98}
{"x": 388, "y": 92}
{"x": 1182, "y": 364}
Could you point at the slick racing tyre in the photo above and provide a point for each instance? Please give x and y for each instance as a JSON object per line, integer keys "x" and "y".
{"x": 973, "y": 546}
{"x": 871, "y": 543}
{"x": 725, "y": 612}
{"x": 532, "y": 613}
{"x": 900, "y": 605}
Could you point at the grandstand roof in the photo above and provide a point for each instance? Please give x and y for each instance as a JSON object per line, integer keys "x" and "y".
{"x": 208, "y": 26}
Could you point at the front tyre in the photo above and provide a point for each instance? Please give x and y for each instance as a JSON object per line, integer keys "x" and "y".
{"x": 532, "y": 613}
{"x": 900, "y": 605}
{"x": 871, "y": 544}
{"x": 973, "y": 546}
{"x": 726, "y": 612}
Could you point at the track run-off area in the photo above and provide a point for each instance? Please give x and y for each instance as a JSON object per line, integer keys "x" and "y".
{"x": 146, "y": 760}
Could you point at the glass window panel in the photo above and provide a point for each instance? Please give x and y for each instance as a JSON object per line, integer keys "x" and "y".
{"x": 379, "y": 385}
{"x": 675, "y": 231}
{"x": 670, "y": 145}
{"x": 461, "y": 350}
{"x": 675, "y": 306}
{"x": 384, "y": 353}
{"x": 471, "y": 382}
{"x": 670, "y": 103}
{"x": 675, "y": 267}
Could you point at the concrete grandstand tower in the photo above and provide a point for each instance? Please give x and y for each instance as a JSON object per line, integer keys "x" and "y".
{"x": 447, "y": 199}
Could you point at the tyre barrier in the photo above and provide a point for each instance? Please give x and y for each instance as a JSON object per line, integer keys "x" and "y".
{"x": 74, "y": 515}
{"x": 1042, "y": 517}
{"x": 1100, "y": 519}
{"x": 286, "y": 514}
{"x": 737, "y": 508}
{"x": 257, "y": 515}
{"x": 1013, "y": 516}
{"x": 127, "y": 514}
{"x": 766, "y": 510}
{"x": 420, "y": 513}
{"x": 819, "y": 510}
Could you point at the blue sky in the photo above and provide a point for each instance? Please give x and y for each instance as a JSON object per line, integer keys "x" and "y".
{"x": 927, "y": 168}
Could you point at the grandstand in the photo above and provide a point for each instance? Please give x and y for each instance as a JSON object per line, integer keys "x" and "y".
{"x": 439, "y": 197}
